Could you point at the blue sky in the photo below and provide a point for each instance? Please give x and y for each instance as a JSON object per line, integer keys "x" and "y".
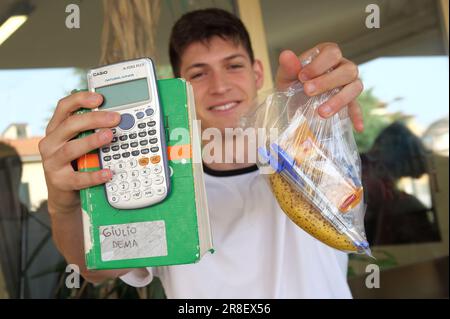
{"x": 30, "y": 95}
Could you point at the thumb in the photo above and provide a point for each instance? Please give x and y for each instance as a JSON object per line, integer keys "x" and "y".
{"x": 288, "y": 69}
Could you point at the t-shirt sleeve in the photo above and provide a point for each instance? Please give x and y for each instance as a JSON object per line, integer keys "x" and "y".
{"x": 139, "y": 277}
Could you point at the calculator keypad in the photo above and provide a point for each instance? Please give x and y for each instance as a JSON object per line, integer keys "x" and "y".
{"x": 135, "y": 158}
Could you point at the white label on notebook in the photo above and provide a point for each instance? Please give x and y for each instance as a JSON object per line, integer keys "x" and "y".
{"x": 135, "y": 240}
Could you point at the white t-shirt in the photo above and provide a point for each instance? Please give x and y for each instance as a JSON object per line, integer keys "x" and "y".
{"x": 259, "y": 251}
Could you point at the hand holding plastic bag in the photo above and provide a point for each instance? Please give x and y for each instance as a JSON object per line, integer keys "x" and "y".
{"x": 315, "y": 169}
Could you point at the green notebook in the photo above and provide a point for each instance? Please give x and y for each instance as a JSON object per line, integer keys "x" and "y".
{"x": 175, "y": 231}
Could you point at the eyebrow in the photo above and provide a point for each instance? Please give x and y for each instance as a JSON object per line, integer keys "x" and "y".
{"x": 231, "y": 57}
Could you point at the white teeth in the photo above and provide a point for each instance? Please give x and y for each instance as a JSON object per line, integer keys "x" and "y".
{"x": 224, "y": 107}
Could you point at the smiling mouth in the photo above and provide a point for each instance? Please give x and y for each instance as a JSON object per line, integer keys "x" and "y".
{"x": 223, "y": 107}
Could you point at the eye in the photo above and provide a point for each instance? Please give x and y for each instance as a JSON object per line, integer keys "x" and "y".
{"x": 236, "y": 66}
{"x": 197, "y": 75}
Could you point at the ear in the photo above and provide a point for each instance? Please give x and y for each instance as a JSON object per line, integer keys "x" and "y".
{"x": 258, "y": 70}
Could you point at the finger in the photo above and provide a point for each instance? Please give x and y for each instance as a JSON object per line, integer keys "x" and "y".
{"x": 73, "y": 126}
{"x": 340, "y": 100}
{"x": 70, "y": 104}
{"x": 81, "y": 180}
{"x": 289, "y": 67}
{"x": 344, "y": 74}
{"x": 329, "y": 57}
{"x": 74, "y": 149}
{"x": 355, "y": 113}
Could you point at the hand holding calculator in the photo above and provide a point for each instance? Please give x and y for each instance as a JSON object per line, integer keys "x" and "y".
{"x": 137, "y": 155}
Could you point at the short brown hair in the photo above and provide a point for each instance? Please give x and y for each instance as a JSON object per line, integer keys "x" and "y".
{"x": 201, "y": 26}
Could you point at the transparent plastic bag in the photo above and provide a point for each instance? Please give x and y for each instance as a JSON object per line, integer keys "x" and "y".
{"x": 312, "y": 166}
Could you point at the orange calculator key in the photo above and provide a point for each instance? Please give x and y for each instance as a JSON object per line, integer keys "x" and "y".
{"x": 155, "y": 159}
{"x": 143, "y": 161}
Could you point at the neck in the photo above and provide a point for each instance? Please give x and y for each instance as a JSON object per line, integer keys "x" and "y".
{"x": 227, "y": 153}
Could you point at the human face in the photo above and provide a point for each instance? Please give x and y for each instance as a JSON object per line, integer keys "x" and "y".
{"x": 224, "y": 80}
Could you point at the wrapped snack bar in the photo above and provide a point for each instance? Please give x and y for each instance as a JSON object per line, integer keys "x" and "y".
{"x": 312, "y": 166}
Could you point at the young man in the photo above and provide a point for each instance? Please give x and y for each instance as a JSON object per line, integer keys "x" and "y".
{"x": 260, "y": 253}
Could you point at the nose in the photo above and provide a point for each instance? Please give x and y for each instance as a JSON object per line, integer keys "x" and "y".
{"x": 219, "y": 83}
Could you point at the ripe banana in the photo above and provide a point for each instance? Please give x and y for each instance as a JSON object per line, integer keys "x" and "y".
{"x": 302, "y": 213}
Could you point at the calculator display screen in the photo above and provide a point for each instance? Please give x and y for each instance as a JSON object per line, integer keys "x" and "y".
{"x": 124, "y": 93}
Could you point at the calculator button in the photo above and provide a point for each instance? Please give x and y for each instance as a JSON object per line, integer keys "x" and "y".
{"x": 145, "y": 172}
{"x": 135, "y": 153}
{"x": 114, "y": 177}
{"x": 132, "y": 163}
{"x": 151, "y": 123}
{"x": 143, "y": 142}
{"x": 148, "y": 192}
{"x": 142, "y": 134}
{"x": 158, "y": 180}
{"x": 154, "y": 149}
{"x": 132, "y": 135}
{"x": 155, "y": 159}
{"x": 124, "y": 146}
{"x": 156, "y": 169}
{"x": 107, "y": 158}
{"x": 135, "y": 184}
{"x": 147, "y": 182}
{"x": 149, "y": 112}
{"x": 114, "y": 131}
{"x": 143, "y": 161}
{"x": 114, "y": 198}
{"x": 153, "y": 140}
{"x": 123, "y": 137}
{"x": 152, "y": 132}
{"x": 111, "y": 187}
{"x": 116, "y": 156}
{"x": 160, "y": 190}
{"x": 123, "y": 186}
{"x": 126, "y": 154}
{"x": 141, "y": 125}
{"x": 115, "y": 148}
{"x": 126, "y": 121}
{"x": 114, "y": 139}
{"x": 134, "y": 144}
{"x": 145, "y": 151}
{"x": 140, "y": 115}
{"x": 125, "y": 197}
{"x": 137, "y": 195}
{"x": 123, "y": 176}
{"x": 106, "y": 149}
{"x": 135, "y": 173}
{"x": 120, "y": 166}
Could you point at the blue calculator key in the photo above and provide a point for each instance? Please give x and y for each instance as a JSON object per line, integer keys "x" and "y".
{"x": 127, "y": 121}
{"x": 149, "y": 112}
{"x": 140, "y": 115}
